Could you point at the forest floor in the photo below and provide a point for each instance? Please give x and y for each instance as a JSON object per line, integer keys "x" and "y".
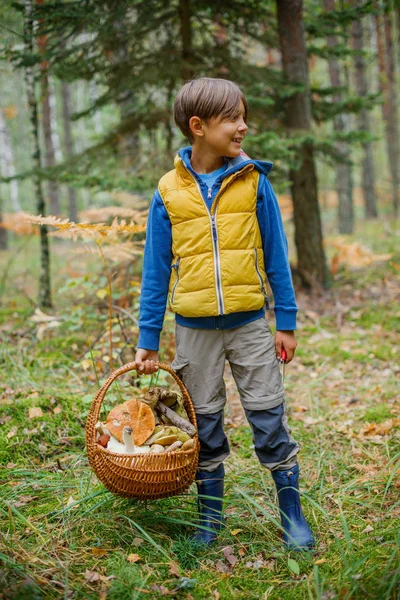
{"x": 65, "y": 536}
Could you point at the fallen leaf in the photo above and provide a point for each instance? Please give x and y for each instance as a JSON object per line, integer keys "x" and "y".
{"x": 86, "y": 364}
{"x": 35, "y": 411}
{"x": 236, "y": 531}
{"x": 368, "y": 529}
{"x": 242, "y": 551}
{"x": 106, "y": 578}
{"x": 57, "y": 410}
{"x": 134, "y": 558}
{"x": 99, "y": 552}
{"x": 229, "y": 555}
{"x": 137, "y": 541}
{"x": 174, "y": 569}
{"x": 91, "y": 576}
{"x": 12, "y": 432}
{"x": 70, "y": 501}
{"x": 22, "y": 500}
{"x": 221, "y": 566}
{"x": 216, "y": 595}
{"x": 320, "y": 561}
{"x": 294, "y": 566}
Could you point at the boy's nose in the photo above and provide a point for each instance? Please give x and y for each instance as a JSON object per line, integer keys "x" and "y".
{"x": 243, "y": 127}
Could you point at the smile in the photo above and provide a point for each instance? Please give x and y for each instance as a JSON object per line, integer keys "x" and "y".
{"x": 237, "y": 140}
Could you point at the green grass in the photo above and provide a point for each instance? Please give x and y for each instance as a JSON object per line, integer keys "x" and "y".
{"x": 63, "y": 535}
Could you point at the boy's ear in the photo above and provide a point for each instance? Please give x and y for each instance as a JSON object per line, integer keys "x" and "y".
{"x": 196, "y": 126}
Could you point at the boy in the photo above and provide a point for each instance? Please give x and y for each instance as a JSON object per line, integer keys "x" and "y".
{"x": 214, "y": 232}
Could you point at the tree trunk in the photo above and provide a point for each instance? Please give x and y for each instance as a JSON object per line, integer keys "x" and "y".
{"x": 344, "y": 181}
{"x": 68, "y": 146}
{"x": 3, "y": 231}
{"x": 389, "y": 108}
{"x": 46, "y": 120}
{"x": 44, "y": 281}
{"x": 393, "y": 115}
{"x": 7, "y": 167}
{"x": 186, "y": 40}
{"x": 368, "y": 170}
{"x": 307, "y": 220}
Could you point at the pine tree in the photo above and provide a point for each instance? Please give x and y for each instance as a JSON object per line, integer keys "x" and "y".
{"x": 308, "y": 231}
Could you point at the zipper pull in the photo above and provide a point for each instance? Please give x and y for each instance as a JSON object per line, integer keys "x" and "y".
{"x": 214, "y": 228}
{"x": 209, "y": 193}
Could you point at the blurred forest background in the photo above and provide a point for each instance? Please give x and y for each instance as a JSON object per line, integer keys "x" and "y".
{"x": 86, "y": 131}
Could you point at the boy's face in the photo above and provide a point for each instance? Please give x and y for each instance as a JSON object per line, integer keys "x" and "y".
{"x": 221, "y": 137}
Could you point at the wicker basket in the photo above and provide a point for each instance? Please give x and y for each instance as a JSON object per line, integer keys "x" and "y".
{"x": 146, "y": 476}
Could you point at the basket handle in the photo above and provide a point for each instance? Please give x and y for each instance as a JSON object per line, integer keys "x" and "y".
{"x": 94, "y": 411}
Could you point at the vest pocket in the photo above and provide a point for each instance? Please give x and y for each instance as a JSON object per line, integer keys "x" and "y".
{"x": 262, "y": 286}
{"x": 175, "y": 266}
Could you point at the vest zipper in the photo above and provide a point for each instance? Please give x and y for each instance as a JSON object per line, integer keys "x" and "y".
{"x": 214, "y": 233}
{"x": 261, "y": 279}
{"x": 175, "y": 266}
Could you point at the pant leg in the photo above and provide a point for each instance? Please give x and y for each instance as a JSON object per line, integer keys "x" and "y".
{"x": 200, "y": 363}
{"x": 214, "y": 445}
{"x": 251, "y": 354}
{"x": 273, "y": 444}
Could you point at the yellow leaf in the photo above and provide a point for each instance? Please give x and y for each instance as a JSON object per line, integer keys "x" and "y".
{"x": 99, "y": 551}
{"x": 35, "y": 411}
{"x": 236, "y": 531}
{"x": 320, "y": 561}
{"x": 86, "y": 364}
{"x": 134, "y": 558}
{"x": 10, "y": 112}
{"x": 102, "y": 293}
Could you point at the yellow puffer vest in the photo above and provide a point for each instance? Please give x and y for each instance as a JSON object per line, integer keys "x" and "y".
{"x": 218, "y": 260}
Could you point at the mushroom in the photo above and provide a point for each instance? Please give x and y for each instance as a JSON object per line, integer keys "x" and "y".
{"x": 157, "y": 449}
{"x": 128, "y": 447}
{"x": 134, "y": 414}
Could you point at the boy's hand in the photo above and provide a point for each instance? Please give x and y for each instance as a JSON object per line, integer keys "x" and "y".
{"x": 145, "y": 360}
{"x": 287, "y": 340}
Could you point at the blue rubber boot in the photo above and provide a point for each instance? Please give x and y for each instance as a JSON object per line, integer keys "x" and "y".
{"x": 210, "y": 487}
{"x": 296, "y": 533}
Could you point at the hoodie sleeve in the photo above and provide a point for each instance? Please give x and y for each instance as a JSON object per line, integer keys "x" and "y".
{"x": 156, "y": 274}
{"x": 276, "y": 256}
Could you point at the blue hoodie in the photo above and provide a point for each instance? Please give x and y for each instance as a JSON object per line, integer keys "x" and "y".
{"x": 158, "y": 259}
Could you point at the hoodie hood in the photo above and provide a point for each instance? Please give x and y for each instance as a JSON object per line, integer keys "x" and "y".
{"x": 233, "y": 164}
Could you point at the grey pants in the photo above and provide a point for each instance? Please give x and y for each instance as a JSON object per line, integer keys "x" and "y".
{"x": 250, "y": 350}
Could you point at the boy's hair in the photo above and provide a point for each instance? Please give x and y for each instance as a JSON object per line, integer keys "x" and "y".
{"x": 207, "y": 98}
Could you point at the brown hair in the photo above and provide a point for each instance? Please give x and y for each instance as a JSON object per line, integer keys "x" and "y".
{"x": 207, "y": 98}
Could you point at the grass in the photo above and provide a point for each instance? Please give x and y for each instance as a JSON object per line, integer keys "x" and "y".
{"x": 63, "y": 535}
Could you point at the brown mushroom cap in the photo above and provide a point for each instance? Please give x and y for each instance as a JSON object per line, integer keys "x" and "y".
{"x": 135, "y": 414}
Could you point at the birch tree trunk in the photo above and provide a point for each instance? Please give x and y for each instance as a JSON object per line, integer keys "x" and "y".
{"x": 389, "y": 108}
{"x": 44, "y": 280}
{"x": 7, "y": 167}
{"x": 344, "y": 181}
{"x": 54, "y": 199}
{"x": 69, "y": 147}
{"x": 368, "y": 169}
{"x": 307, "y": 220}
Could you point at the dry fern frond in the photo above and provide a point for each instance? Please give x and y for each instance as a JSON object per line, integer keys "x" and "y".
{"x": 96, "y": 215}
{"x": 49, "y": 220}
{"x": 115, "y": 252}
{"x": 98, "y": 232}
{"x": 17, "y": 223}
{"x": 122, "y": 252}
